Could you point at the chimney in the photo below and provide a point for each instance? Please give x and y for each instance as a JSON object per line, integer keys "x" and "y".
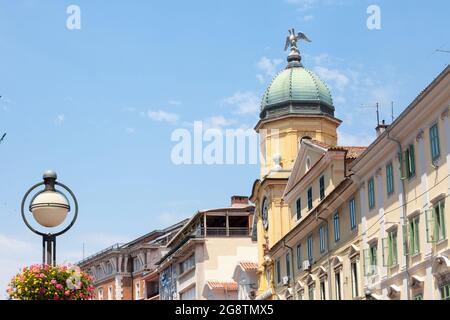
{"x": 239, "y": 201}
{"x": 381, "y": 128}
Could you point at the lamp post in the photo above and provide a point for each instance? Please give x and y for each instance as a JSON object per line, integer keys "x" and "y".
{"x": 49, "y": 207}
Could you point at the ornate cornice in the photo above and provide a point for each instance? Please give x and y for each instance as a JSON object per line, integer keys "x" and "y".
{"x": 419, "y": 135}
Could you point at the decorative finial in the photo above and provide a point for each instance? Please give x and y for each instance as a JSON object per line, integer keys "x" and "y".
{"x": 291, "y": 41}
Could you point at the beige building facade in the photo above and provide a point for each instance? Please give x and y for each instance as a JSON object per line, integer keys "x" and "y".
{"x": 369, "y": 223}
{"x": 204, "y": 254}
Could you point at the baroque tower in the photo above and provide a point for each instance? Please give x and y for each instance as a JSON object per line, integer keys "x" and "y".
{"x": 296, "y": 104}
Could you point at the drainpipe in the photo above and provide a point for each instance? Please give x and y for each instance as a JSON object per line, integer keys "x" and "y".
{"x": 292, "y": 266}
{"x": 399, "y": 145}
{"x": 328, "y": 253}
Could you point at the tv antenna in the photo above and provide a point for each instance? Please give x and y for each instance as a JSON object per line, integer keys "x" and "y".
{"x": 392, "y": 111}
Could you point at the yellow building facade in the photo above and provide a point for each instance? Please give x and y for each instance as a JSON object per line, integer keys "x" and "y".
{"x": 340, "y": 222}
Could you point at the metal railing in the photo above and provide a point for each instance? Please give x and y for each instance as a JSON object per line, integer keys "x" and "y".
{"x": 116, "y": 246}
{"x": 224, "y": 232}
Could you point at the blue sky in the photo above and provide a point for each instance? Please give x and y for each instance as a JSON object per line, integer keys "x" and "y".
{"x": 98, "y": 104}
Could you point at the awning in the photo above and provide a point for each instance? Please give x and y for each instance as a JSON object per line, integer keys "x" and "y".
{"x": 266, "y": 294}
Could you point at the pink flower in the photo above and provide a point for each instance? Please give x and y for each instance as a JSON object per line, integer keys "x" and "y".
{"x": 53, "y": 281}
{"x": 59, "y": 286}
{"x": 67, "y": 293}
{"x": 42, "y": 275}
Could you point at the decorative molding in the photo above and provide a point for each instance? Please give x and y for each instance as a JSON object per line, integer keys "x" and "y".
{"x": 378, "y": 172}
{"x": 445, "y": 113}
{"x": 419, "y": 135}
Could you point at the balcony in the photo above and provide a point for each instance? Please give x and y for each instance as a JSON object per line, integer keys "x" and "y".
{"x": 225, "y": 232}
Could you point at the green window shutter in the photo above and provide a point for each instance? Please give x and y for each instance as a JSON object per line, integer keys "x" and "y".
{"x": 367, "y": 268}
{"x": 434, "y": 142}
{"x": 407, "y": 164}
{"x": 412, "y": 162}
{"x": 416, "y": 235}
{"x": 406, "y": 239}
{"x": 394, "y": 248}
{"x": 442, "y": 220}
{"x": 298, "y": 209}
{"x": 385, "y": 245}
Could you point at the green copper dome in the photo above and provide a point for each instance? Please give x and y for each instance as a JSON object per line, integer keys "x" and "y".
{"x": 296, "y": 90}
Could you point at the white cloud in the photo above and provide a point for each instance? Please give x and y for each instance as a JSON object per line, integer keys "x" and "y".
{"x": 59, "y": 119}
{"x": 175, "y": 102}
{"x": 14, "y": 255}
{"x": 303, "y": 5}
{"x": 163, "y": 116}
{"x": 245, "y": 102}
{"x": 339, "y": 79}
{"x": 268, "y": 68}
{"x": 308, "y": 17}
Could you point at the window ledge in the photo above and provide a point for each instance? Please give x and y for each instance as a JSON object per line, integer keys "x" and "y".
{"x": 186, "y": 272}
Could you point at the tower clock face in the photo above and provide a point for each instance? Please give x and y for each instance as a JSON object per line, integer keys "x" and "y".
{"x": 265, "y": 214}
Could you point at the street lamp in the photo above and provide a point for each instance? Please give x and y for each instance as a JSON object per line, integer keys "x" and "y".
{"x": 49, "y": 207}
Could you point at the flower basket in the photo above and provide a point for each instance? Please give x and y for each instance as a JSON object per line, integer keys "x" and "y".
{"x": 45, "y": 282}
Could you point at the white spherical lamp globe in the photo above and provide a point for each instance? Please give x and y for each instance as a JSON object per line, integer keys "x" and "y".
{"x": 49, "y": 208}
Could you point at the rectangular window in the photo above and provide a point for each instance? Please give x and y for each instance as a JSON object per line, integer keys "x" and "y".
{"x": 413, "y": 236}
{"x": 337, "y": 230}
{"x": 445, "y": 292}
{"x": 137, "y": 294}
{"x": 278, "y": 270}
{"x": 323, "y": 293}
{"x": 389, "y": 178}
{"x": 371, "y": 192}
{"x": 310, "y": 249}
{"x": 370, "y": 260}
{"x": 188, "y": 294}
{"x": 298, "y": 208}
{"x": 323, "y": 238}
{"x": 352, "y": 210}
{"x": 390, "y": 249}
{"x": 110, "y": 293}
{"x": 310, "y": 198}
{"x": 311, "y": 292}
{"x": 436, "y": 222}
{"x": 299, "y": 257}
{"x": 409, "y": 163}
{"x": 354, "y": 270}
{"x": 434, "y": 142}
{"x": 322, "y": 187}
{"x": 100, "y": 294}
{"x": 337, "y": 279}
{"x": 288, "y": 264}
{"x": 187, "y": 264}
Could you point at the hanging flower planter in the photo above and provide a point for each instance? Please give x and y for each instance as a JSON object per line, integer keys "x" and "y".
{"x": 45, "y": 282}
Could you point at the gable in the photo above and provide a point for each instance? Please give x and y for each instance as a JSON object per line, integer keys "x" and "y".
{"x": 308, "y": 154}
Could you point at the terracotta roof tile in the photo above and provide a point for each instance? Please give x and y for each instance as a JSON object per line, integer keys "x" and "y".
{"x": 354, "y": 152}
{"x": 228, "y": 285}
{"x": 247, "y": 265}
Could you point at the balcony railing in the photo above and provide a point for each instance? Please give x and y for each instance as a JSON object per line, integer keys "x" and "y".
{"x": 225, "y": 232}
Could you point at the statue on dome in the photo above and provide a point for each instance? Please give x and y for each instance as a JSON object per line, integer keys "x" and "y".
{"x": 292, "y": 38}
